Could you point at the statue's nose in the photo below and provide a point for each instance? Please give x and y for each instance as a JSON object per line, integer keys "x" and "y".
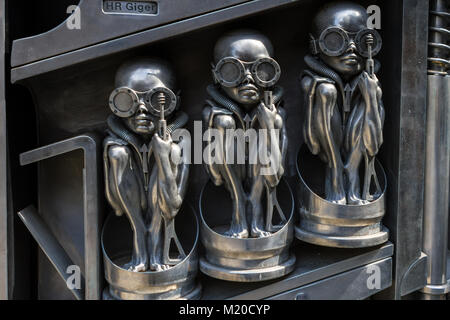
{"x": 142, "y": 108}
{"x": 351, "y": 46}
{"x": 248, "y": 78}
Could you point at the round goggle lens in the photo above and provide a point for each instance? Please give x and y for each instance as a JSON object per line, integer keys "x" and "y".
{"x": 266, "y": 71}
{"x": 161, "y": 99}
{"x": 229, "y": 71}
{"x": 123, "y": 101}
{"x": 362, "y": 43}
{"x": 158, "y": 101}
{"x": 334, "y": 41}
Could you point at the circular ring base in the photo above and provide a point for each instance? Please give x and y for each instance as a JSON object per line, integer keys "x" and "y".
{"x": 195, "y": 294}
{"x": 436, "y": 289}
{"x": 247, "y": 275}
{"x": 343, "y": 241}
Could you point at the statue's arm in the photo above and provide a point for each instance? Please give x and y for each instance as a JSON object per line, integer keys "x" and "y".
{"x": 113, "y": 201}
{"x": 183, "y": 170}
{"x": 170, "y": 199}
{"x": 210, "y": 168}
{"x": 283, "y": 139}
{"x": 374, "y": 112}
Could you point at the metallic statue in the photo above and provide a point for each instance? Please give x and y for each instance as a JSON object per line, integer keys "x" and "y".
{"x": 255, "y": 247}
{"x": 344, "y": 127}
{"x": 344, "y": 111}
{"x": 144, "y": 178}
{"x": 244, "y": 97}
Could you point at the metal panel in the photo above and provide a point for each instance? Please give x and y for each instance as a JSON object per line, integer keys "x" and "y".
{"x": 415, "y": 278}
{"x": 142, "y": 38}
{"x": 97, "y": 26}
{"x": 48, "y": 243}
{"x": 356, "y": 284}
{"x": 402, "y": 154}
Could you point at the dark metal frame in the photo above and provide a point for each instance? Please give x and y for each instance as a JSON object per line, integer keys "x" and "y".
{"x": 405, "y": 106}
{"x": 405, "y": 113}
{"x": 3, "y": 162}
{"x": 91, "y": 215}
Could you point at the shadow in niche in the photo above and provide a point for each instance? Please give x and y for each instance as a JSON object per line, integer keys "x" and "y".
{"x": 216, "y": 205}
{"x": 119, "y": 249}
{"x": 312, "y": 171}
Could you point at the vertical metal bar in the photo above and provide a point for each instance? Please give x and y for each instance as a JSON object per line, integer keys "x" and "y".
{"x": 91, "y": 221}
{"x": 437, "y": 176}
{"x": 437, "y": 170}
{"x": 3, "y": 163}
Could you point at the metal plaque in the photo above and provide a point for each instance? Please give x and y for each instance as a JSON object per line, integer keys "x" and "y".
{"x": 130, "y": 7}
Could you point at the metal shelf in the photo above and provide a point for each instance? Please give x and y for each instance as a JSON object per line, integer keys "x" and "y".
{"x": 315, "y": 266}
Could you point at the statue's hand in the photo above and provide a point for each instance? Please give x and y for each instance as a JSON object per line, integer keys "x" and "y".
{"x": 267, "y": 116}
{"x": 161, "y": 147}
{"x": 368, "y": 84}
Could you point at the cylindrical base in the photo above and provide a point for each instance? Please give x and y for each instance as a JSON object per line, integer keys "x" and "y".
{"x": 194, "y": 294}
{"x": 176, "y": 283}
{"x": 246, "y": 259}
{"x": 343, "y": 241}
{"x": 335, "y": 225}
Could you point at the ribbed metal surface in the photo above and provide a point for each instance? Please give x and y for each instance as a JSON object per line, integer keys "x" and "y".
{"x": 439, "y": 61}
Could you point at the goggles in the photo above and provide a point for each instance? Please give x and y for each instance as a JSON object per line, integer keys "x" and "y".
{"x": 230, "y": 71}
{"x": 125, "y": 101}
{"x": 334, "y": 41}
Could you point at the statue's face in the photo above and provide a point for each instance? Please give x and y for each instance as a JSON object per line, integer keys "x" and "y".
{"x": 350, "y": 63}
{"x": 247, "y": 50}
{"x": 351, "y": 18}
{"x": 142, "y": 122}
{"x": 141, "y": 77}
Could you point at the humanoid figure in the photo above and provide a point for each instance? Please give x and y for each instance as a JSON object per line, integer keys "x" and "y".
{"x": 244, "y": 73}
{"x": 145, "y": 177}
{"x": 344, "y": 111}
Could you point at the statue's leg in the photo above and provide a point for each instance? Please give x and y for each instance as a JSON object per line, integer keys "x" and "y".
{"x": 156, "y": 242}
{"x": 125, "y": 185}
{"x": 155, "y": 237}
{"x": 257, "y": 216}
{"x": 355, "y": 152}
{"x": 232, "y": 179}
{"x": 352, "y": 172}
{"x": 328, "y": 130}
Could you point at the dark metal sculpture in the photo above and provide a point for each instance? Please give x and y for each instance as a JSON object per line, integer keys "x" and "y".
{"x": 243, "y": 69}
{"x": 344, "y": 110}
{"x": 145, "y": 176}
{"x": 244, "y": 97}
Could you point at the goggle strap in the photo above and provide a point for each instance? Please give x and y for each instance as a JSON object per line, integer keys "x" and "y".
{"x": 314, "y": 47}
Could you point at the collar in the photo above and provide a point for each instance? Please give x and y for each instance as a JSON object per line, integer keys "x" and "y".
{"x": 346, "y": 89}
{"x": 221, "y": 100}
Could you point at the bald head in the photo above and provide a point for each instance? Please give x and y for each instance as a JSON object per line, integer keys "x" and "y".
{"x": 143, "y": 74}
{"x": 349, "y": 16}
{"x": 245, "y": 45}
